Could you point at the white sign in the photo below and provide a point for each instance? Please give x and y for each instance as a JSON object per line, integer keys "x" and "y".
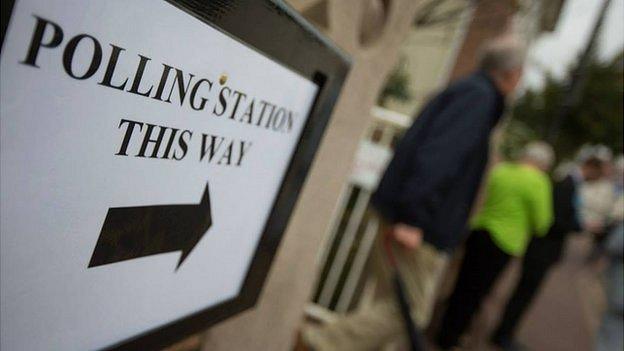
{"x": 141, "y": 153}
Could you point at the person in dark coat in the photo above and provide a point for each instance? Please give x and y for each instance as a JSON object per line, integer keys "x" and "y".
{"x": 425, "y": 195}
{"x": 544, "y": 252}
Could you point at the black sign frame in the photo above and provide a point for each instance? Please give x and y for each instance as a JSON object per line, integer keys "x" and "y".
{"x": 275, "y": 30}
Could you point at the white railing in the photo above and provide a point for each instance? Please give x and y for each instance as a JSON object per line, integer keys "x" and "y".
{"x": 345, "y": 254}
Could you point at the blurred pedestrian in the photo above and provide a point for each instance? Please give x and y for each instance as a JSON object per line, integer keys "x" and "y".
{"x": 425, "y": 196}
{"x": 543, "y": 252}
{"x": 518, "y": 204}
{"x": 597, "y": 198}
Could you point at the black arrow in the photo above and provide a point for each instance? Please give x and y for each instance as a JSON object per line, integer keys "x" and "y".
{"x": 133, "y": 232}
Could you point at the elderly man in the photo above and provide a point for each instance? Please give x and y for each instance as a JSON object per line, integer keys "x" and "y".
{"x": 518, "y": 203}
{"x": 425, "y": 196}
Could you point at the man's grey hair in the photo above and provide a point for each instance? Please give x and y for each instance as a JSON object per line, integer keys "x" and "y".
{"x": 540, "y": 153}
{"x": 502, "y": 54}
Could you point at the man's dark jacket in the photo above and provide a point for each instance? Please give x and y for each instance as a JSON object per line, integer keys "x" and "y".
{"x": 564, "y": 208}
{"x": 437, "y": 167}
{"x": 548, "y": 249}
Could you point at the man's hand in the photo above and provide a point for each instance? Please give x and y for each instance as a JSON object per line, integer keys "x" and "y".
{"x": 408, "y": 236}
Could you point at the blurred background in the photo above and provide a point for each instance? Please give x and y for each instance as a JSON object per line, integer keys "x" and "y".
{"x": 403, "y": 52}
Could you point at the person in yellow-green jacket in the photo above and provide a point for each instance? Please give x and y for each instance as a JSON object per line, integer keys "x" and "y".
{"x": 517, "y": 205}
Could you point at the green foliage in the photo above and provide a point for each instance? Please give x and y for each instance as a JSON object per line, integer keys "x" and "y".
{"x": 397, "y": 85}
{"x": 597, "y": 118}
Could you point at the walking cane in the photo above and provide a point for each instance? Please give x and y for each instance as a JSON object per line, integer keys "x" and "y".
{"x": 415, "y": 338}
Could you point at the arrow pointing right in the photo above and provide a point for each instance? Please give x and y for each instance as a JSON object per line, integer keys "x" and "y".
{"x": 133, "y": 232}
